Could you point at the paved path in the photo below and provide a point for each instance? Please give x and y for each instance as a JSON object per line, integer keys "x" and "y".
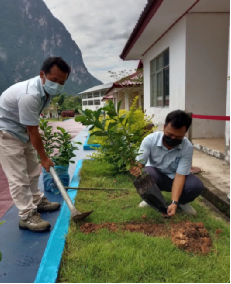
{"x": 23, "y": 250}
{"x": 6, "y": 201}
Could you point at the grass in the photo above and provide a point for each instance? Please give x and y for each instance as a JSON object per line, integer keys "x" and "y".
{"x": 133, "y": 257}
{"x": 91, "y": 140}
{"x": 53, "y": 119}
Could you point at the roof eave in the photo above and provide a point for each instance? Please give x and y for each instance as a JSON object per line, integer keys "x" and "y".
{"x": 147, "y": 14}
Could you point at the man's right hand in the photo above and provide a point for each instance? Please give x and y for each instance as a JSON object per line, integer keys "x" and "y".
{"x": 47, "y": 163}
{"x": 135, "y": 171}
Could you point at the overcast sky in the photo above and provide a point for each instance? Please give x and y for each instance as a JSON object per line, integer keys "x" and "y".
{"x": 101, "y": 29}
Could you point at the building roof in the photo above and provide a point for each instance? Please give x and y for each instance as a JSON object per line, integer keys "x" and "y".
{"x": 159, "y": 17}
{"x": 146, "y": 15}
{"x": 134, "y": 79}
{"x": 97, "y": 88}
{"x": 108, "y": 97}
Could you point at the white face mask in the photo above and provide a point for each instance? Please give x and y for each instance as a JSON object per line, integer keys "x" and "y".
{"x": 52, "y": 88}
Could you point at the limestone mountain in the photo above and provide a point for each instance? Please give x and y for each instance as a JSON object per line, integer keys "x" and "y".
{"x": 29, "y": 33}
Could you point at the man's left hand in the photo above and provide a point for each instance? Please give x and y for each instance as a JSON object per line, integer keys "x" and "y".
{"x": 171, "y": 210}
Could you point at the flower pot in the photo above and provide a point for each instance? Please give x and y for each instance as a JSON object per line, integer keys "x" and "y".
{"x": 149, "y": 192}
{"x": 49, "y": 183}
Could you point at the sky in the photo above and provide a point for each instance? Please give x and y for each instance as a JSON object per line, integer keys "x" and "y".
{"x": 101, "y": 29}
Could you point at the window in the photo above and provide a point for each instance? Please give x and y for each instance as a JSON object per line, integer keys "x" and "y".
{"x": 97, "y": 102}
{"x": 89, "y": 96}
{"x": 84, "y": 96}
{"x": 96, "y": 95}
{"x": 90, "y": 103}
{"x": 159, "y": 67}
{"x": 84, "y": 103}
{"x": 102, "y": 93}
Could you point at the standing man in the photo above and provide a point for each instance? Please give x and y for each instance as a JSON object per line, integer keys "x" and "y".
{"x": 167, "y": 157}
{"x": 20, "y": 141}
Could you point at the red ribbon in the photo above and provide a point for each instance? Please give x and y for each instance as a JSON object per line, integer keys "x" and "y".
{"x": 214, "y": 117}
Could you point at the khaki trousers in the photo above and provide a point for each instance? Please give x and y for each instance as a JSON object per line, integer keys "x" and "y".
{"x": 20, "y": 164}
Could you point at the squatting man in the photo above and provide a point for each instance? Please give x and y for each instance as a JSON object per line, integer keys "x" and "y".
{"x": 167, "y": 157}
{"x": 20, "y": 141}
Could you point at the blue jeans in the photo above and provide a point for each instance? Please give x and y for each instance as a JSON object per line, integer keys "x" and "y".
{"x": 192, "y": 187}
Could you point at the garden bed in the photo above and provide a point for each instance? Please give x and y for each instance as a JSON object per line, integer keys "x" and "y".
{"x": 91, "y": 139}
{"x": 124, "y": 243}
{"x": 89, "y": 143}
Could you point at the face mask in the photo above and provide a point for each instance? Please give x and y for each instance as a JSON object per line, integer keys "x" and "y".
{"x": 52, "y": 88}
{"x": 171, "y": 142}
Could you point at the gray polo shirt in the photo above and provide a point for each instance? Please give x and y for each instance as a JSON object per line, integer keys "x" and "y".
{"x": 169, "y": 162}
{"x": 21, "y": 106}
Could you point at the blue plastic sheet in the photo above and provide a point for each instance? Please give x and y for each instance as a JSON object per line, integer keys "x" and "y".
{"x": 49, "y": 183}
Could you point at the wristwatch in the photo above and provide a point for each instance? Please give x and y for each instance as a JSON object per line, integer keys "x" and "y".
{"x": 175, "y": 202}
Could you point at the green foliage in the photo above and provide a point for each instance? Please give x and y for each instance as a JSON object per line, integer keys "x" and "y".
{"x": 0, "y": 252}
{"x": 66, "y": 102}
{"x": 48, "y": 137}
{"x": 60, "y": 141}
{"x": 119, "y": 133}
{"x": 65, "y": 147}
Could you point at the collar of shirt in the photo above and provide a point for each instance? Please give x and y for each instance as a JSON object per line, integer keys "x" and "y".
{"x": 161, "y": 144}
{"x": 42, "y": 92}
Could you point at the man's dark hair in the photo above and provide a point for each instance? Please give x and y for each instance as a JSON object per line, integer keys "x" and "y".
{"x": 59, "y": 62}
{"x": 178, "y": 119}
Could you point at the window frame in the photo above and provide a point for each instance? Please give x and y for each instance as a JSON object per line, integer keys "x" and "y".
{"x": 90, "y": 102}
{"x": 96, "y": 104}
{"x": 154, "y": 72}
{"x": 98, "y": 95}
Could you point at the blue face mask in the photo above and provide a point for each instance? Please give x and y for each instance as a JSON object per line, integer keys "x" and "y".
{"x": 52, "y": 88}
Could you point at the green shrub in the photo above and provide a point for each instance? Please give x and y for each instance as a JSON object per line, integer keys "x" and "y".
{"x": 60, "y": 141}
{"x": 119, "y": 132}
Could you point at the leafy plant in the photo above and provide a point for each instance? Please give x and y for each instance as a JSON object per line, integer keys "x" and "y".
{"x": 60, "y": 141}
{"x": 0, "y": 252}
{"x": 119, "y": 133}
{"x": 48, "y": 137}
{"x": 65, "y": 147}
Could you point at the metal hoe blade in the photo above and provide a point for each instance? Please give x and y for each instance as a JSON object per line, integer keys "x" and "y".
{"x": 75, "y": 214}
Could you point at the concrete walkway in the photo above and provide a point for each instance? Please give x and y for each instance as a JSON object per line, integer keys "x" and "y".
{"x": 23, "y": 250}
{"x": 215, "y": 176}
{"x": 216, "y": 170}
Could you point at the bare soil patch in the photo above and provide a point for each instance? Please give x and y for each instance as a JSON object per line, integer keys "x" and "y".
{"x": 191, "y": 237}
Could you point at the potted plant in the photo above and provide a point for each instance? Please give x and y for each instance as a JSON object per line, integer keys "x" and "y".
{"x": 122, "y": 148}
{"x": 59, "y": 142}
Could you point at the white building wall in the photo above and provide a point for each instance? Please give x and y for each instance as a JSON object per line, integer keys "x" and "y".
{"x": 94, "y": 107}
{"x": 175, "y": 39}
{"x": 206, "y": 70}
{"x": 227, "y": 126}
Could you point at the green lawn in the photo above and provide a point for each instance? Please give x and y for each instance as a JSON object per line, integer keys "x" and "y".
{"x": 53, "y": 119}
{"x": 134, "y": 257}
{"x": 91, "y": 140}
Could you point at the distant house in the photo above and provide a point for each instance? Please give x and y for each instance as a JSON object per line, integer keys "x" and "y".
{"x": 184, "y": 47}
{"x": 91, "y": 98}
{"x": 126, "y": 90}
